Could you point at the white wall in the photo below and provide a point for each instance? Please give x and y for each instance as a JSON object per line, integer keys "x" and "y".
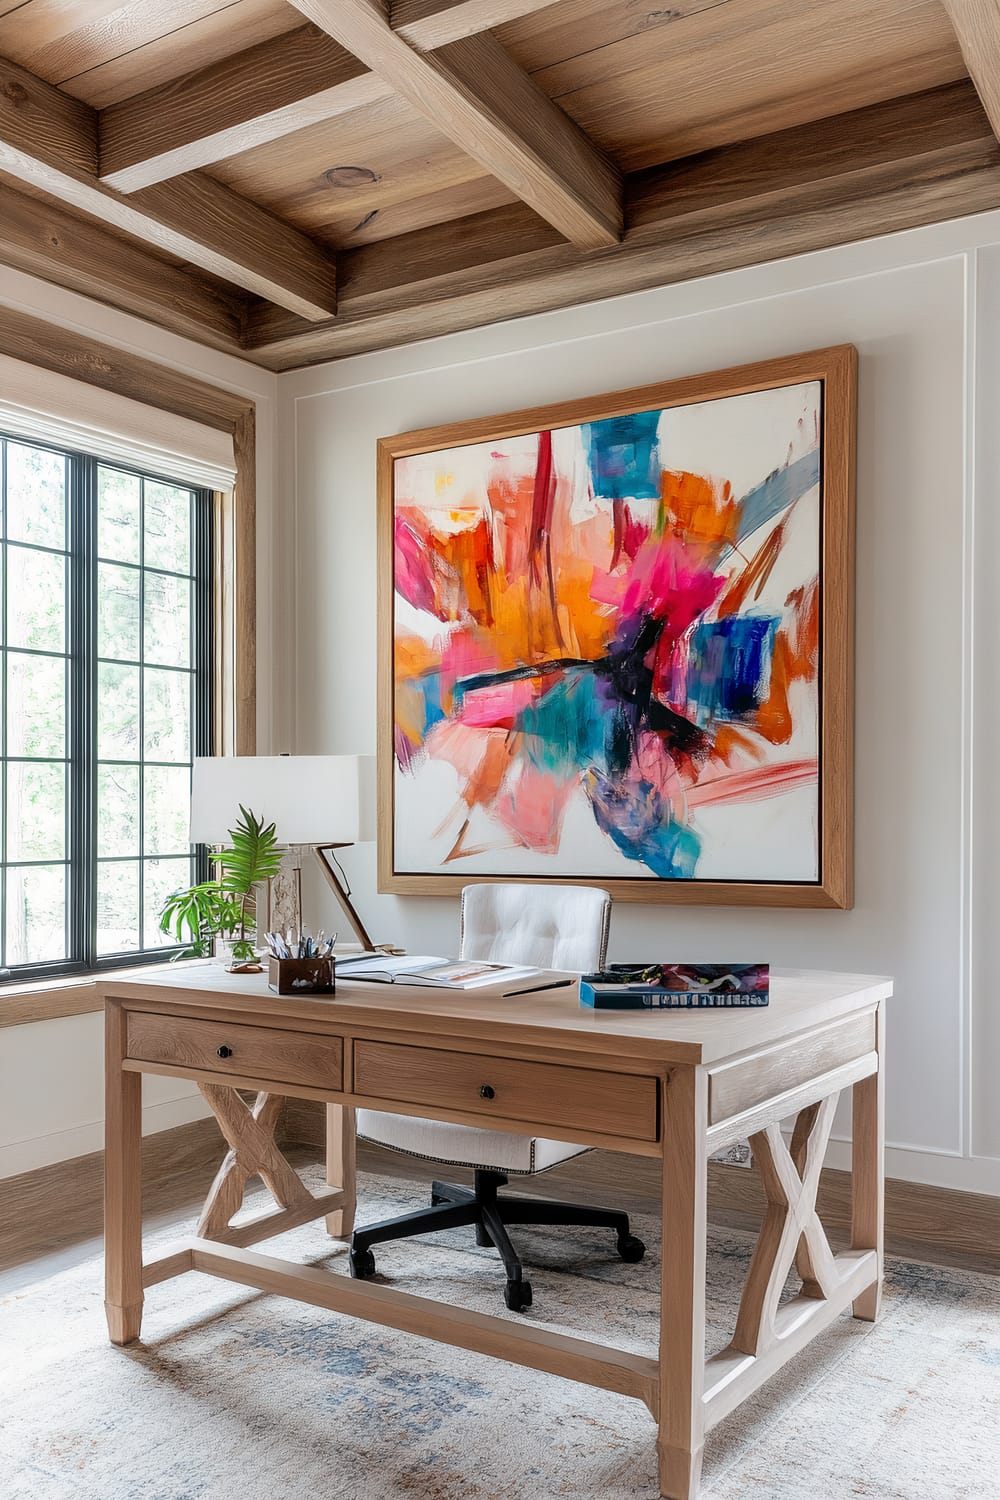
{"x": 51, "y": 1073}
{"x": 922, "y": 309}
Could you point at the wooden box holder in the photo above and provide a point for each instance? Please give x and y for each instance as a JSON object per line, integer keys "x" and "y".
{"x": 301, "y": 976}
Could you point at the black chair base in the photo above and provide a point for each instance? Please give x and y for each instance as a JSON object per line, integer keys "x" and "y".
{"x": 482, "y": 1208}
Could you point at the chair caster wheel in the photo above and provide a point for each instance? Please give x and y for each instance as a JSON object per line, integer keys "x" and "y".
{"x": 362, "y": 1264}
{"x": 631, "y": 1249}
{"x": 517, "y": 1295}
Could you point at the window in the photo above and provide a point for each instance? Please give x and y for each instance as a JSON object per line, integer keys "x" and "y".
{"x": 106, "y": 698}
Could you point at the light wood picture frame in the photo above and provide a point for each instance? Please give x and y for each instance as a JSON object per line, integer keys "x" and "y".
{"x": 616, "y": 642}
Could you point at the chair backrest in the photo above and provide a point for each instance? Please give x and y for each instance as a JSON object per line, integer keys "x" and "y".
{"x": 553, "y": 926}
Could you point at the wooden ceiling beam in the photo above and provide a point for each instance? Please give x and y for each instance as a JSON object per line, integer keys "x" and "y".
{"x": 475, "y": 94}
{"x": 976, "y": 24}
{"x": 874, "y": 171}
{"x": 254, "y": 96}
{"x": 48, "y": 241}
{"x": 82, "y": 357}
{"x": 434, "y": 23}
{"x": 50, "y": 140}
{"x": 269, "y": 91}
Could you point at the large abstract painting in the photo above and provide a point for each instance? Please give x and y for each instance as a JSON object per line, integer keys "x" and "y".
{"x": 618, "y": 642}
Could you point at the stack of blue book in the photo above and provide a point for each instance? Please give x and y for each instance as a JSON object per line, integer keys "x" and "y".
{"x": 676, "y": 987}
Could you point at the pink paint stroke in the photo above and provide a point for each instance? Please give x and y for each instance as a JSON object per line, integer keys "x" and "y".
{"x": 754, "y": 785}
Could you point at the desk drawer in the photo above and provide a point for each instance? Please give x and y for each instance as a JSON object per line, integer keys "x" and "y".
{"x": 246, "y": 1051}
{"x": 546, "y": 1094}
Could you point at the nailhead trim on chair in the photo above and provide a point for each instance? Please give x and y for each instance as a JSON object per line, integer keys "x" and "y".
{"x": 472, "y": 1166}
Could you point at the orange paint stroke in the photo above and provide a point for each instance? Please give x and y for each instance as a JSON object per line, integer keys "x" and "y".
{"x": 480, "y": 756}
{"x": 795, "y": 656}
{"x": 699, "y": 509}
{"x": 754, "y": 575}
{"x": 730, "y": 741}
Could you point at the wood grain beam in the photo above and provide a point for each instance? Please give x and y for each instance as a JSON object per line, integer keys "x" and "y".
{"x": 434, "y": 23}
{"x": 46, "y": 240}
{"x": 477, "y": 96}
{"x": 269, "y": 91}
{"x": 65, "y": 352}
{"x": 874, "y": 171}
{"x": 977, "y": 26}
{"x": 252, "y": 97}
{"x": 50, "y": 140}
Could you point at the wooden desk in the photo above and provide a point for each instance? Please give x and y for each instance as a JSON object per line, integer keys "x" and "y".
{"x": 662, "y": 1085}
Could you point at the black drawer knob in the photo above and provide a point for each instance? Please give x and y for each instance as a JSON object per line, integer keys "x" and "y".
{"x": 223, "y": 1051}
{"x": 486, "y": 1092}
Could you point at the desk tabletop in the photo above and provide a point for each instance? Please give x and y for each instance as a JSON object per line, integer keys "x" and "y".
{"x": 800, "y": 1000}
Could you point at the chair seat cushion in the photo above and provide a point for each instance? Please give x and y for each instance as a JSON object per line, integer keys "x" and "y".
{"x": 463, "y": 1145}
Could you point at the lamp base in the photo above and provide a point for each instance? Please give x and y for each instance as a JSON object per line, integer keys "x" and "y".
{"x": 284, "y": 896}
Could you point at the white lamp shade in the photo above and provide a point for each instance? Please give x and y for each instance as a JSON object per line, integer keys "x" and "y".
{"x": 311, "y": 799}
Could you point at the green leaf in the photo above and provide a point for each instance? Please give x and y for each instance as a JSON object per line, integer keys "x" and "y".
{"x": 253, "y": 857}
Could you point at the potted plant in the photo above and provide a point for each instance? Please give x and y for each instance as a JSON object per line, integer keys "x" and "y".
{"x": 225, "y": 907}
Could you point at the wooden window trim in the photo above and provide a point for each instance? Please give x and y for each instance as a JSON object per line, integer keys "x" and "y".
{"x": 37, "y": 342}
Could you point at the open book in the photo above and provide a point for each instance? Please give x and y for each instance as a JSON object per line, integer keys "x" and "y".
{"x": 444, "y": 973}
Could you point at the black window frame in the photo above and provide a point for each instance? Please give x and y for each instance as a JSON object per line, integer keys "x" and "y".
{"x": 81, "y": 703}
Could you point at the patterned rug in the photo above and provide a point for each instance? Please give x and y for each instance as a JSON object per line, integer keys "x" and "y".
{"x": 232, "y": 1395}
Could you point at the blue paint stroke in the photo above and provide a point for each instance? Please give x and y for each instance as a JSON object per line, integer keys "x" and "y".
{"x": 777, "y": 492}
{"x": 623, "y": 455}
{"x": 428, "y": 687}
{"x": 637, "y": 820}
{"x": 565, "y": 727}
{"x": 729, "y": 667}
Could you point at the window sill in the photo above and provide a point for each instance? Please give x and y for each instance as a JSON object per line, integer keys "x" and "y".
{"x": 51, "y": 999}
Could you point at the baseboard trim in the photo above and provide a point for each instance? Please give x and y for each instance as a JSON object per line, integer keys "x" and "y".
{"x": 21, "y": 1157}
{"x": 50, "y": 1208}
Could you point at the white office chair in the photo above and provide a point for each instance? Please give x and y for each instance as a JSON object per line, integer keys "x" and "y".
{"x": 554, "y": 927}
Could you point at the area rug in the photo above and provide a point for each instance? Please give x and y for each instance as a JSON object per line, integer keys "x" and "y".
{"x": 232, "y": 1395}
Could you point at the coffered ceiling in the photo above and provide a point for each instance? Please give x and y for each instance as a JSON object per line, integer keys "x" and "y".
{"x": 298, "y": 182}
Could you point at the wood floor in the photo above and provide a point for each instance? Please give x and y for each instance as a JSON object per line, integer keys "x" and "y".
{"x": 52, "y": 1219}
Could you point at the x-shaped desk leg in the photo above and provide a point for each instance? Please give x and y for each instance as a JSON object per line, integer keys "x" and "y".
{"x": 791, "y": 1230}
{"x": 249, "y": 1131}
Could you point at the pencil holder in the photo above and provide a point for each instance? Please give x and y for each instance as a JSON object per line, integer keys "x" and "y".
{"x": 301, "y": 976}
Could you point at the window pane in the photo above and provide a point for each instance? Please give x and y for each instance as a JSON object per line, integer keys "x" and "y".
{"x": 117, "y": 907}
{"x": 36, "y": 496}
{"x": 167, "y": 538}
{"x": 36, "y": 810}
{"x": 139, "y": 703}
{"x": 117, "y": 712}
{"x": 166, "y": 809}
{"x": 36, "y": 705}
{"x": 118, "y": 612}
{"x": 167, "y": 715}
{"x": 36, "y": 599}
{"x": 118, "y": 812}
{"x": 118, "y": 514}
{"x": 36, "y": 914}
{"x": 161, "y": 878}
{"x": 167, "y": 624}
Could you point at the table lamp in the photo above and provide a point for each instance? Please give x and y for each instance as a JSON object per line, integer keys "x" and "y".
{"x": 324, "y": 802}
